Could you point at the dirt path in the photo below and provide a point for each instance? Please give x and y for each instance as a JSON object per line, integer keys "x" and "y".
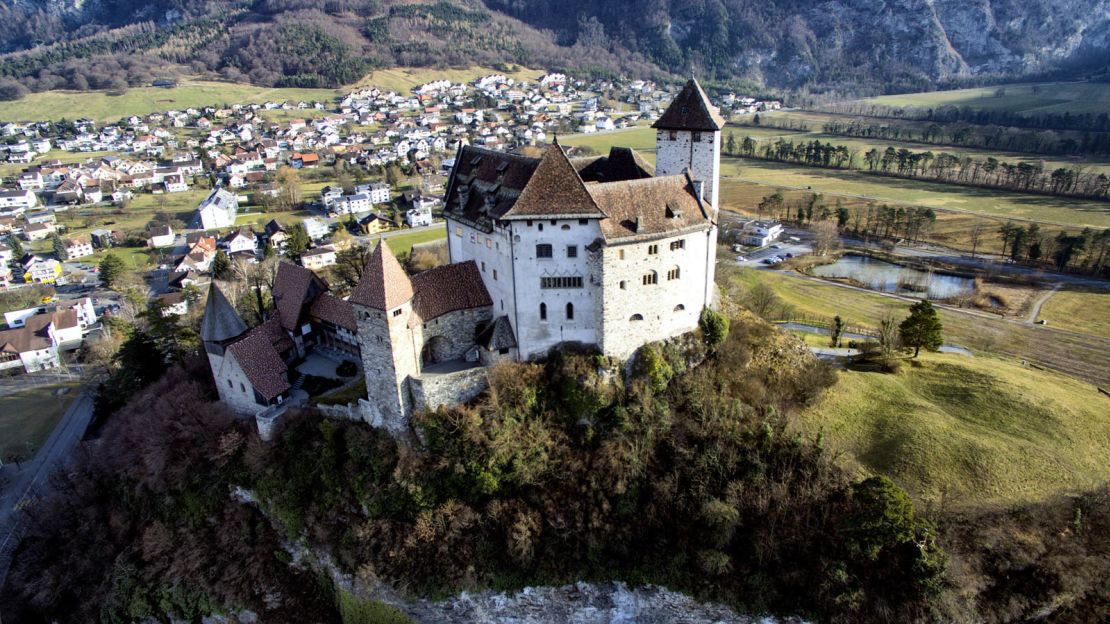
{"x": 1035, "y": 310}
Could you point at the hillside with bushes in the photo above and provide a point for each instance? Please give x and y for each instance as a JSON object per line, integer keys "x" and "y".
{"x": 865, "y": 47}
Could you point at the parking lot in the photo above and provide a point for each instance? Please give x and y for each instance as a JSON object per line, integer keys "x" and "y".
{"x": 780, "y": 249}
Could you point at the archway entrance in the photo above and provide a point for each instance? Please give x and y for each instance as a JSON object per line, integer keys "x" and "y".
{"x": 434, "y": 351}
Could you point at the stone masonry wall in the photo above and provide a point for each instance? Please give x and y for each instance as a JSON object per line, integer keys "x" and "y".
{"x": 452, "y": 335}
{"x": 449, "y": 389}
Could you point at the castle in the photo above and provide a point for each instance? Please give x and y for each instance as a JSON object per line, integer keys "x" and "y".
{"x": 603, "y": 251}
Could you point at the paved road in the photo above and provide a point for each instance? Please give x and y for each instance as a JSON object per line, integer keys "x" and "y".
{"x": 29, "y": 481}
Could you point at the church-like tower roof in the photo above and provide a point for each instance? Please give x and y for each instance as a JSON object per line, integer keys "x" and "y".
{"x": 221, "y": 322}
{"x": 384, "y": 284}
{"x": 554, "y": 190}
{"x": 690, "y": 110}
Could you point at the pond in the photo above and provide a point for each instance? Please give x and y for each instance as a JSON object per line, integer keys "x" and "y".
{"x": 895, "y": 278}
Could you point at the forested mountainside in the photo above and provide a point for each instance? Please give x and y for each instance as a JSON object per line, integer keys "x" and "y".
{"x": 858, "y": 45}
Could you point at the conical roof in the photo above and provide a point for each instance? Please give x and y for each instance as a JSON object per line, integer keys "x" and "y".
{"x": 690, "y": 110}
{"x": 384, "y": 284}
{"x": 554, "y": 190}
{"x": 221, "y": 322}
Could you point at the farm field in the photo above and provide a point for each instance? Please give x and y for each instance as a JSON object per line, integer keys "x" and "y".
{"x": 1080, "y": 310}
{"x": 402, "y": 243}
{"x": 100, "y": 106}
{"x": 640, "y": 138}
{"x": 1050, "y": 97}
{"x": 1061, "y": 211}
{"x": 141, "y": 210}
{"x": 969, "y": 430}
{"x": 28, "y": 417}
{"x": 1081, "y": 355}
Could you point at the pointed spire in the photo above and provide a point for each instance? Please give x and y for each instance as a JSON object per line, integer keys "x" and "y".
{"x": 690, "y": 110}
{"x": 384, "y": 284}
{"x": 554, "y": 190}
{"x": 221, "y": 322}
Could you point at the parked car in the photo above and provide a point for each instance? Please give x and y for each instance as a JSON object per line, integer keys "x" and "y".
{"x": 741, "y": 259}
{"x": 768, "y": 261}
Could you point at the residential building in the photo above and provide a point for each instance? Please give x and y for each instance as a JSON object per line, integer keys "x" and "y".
{"x": 218, "y": 210}
{"x": 318, "y": 258}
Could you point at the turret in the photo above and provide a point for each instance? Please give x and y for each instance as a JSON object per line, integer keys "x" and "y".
{"x": 688, "y": 137}
{"x": 220, "y": 327}
{"x": 383, "y": 308}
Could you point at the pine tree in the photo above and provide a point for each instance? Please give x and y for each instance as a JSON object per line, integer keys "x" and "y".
{"x": 58, "y": 246}
{"x": 111, "y": 270}
{"x": 221, "y": 264}
{"x": 17, "y": 247}
{"x": 922, "y": 328}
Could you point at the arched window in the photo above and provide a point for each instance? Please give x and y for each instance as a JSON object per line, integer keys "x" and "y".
{"x": 543, "y": 311}
{"x": 673, "y": 274}
{"x": 637, "y": 317}
{"x": 679, "y": 308}
{"x": 623, "y": 285}
{"x": 570, "y": 311}
{"x": 651, "y": 278}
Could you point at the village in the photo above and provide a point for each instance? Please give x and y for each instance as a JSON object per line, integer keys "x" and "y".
{"x": 171, "y": 191}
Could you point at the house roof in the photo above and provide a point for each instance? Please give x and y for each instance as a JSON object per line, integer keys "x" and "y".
{"x": 328, "y": 307}
{"x": 259, "y": 355}
{"x": 622, "y": 163}
{"x": 384, "y": 284}
{"x": 449, "y": 288}
{"x": 649, "y": 208}
{"x": 555, "y": 189}
{"x": 294, "y": 286}
{"x": 690, "y": 110}
{"x": 221, "y": 322}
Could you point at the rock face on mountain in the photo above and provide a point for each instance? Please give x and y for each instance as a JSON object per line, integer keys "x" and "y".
{"x": 877, "y": 45}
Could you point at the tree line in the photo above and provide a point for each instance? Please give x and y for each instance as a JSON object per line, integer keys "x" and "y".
{"x": 1094, "y": 122}
{"x": 989, "y": 172}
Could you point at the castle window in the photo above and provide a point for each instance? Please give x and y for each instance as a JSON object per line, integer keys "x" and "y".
{"x": 554, "y": 222}
{"x": 565, "y": 227}
{"x": 620, "y": 254}
{"x": 242, "y": 388}
{"x": 483, "y": 266}
{"x": 543, "y": 311}
{"x": 673, "y": 274}
{"x": 230, "y": 385}
{"x": 653, "y": 249}
{"x": 495, "y": 275}
{"x": 679, "y": 308}
{"x": 561, "y": 282}
{"x": 636, "y": 317}
{"x": 697, "y": 137}
{"x": 529, "y": 222}
{"x": 583, "y": 222}
{"x": 458, "y": 230}
{"x": 678, "y": 244}
{"x": 672, "y": 135}
{"x": 540, "y": 226}
{"x": 570, "y": 311}
{"x": 543, "y": 250}
{"x": 624, "y": 285}
{"x": 397, "y": 312}
{"x": 489, "y": 243}
{"x": 651, "y": 278}
{"x": 572, "y": 251}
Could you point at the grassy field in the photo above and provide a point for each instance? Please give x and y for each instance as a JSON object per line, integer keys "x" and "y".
{"x": 101, "y": 106}
{"x": 640, "y": 138}
{"x": 1069, "y": 212}
{"x": 969, "y": 430}
{"x": 1045, "y": 97}
{"x": 1084, "y": 356}
{"x": 134, "y": 218}
{"x": 27, "y": 418}
{"x": 402, "y": 243}
{"x": 1080, "y": 310}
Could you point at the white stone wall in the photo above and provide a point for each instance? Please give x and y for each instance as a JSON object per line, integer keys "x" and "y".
{"x": 232, "y": 384}
{"x": 702, "y": 157}
{"x": 492, "y": 253}
{"x": 534, "y": 335}
{"x": 658, "y": 303}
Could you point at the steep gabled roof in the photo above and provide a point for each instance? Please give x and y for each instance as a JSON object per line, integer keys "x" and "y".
{"x": 554, "y": 190}
{"x": 294, "y": 287}
{"x": 221, "y": 321}
{"x": 690, "y": 110}
{"x": 259, "y": 355}
{"x": 622, "y": 163}
{"x": 384, "y": 284}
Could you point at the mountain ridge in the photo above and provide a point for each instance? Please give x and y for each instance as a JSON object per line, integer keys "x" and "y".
{"x": 857, "y": 46}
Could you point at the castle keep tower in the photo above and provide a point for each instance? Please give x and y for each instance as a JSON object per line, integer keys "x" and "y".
{"x": 688, "y": 136}
{"x": 383, "y": 303}
{"x": 221, "y": 326}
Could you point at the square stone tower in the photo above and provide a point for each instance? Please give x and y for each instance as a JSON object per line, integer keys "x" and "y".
{"x": 688, "y": 137}
{"x": 388, "y": 339}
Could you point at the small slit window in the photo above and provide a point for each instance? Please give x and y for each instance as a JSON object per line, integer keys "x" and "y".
{"x": 543, "y": 311}
{"x": 653, "y": 250}
{"x": 679, "y": 308}
{"x": 570, "y": 311}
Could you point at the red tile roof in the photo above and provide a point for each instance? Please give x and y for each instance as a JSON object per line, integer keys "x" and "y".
{"x": 649, "y": 208}
{"x": 328, "y": 307}
{"x": 294, "y": 287}
{"x": 449, "y": 288}
{"x": 259, "y": 355}
{"x": 384, "y": 284}
{"x": 555, "y": 189}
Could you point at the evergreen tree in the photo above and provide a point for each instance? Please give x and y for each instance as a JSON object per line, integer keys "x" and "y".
{"x": 17, "y": 247}
{"x": 111, "y": 270}
{"x": 298, "y": 241}
{"x": 58, "y": 246}
{"x": 221, "y": 264}
{"x": 922, "y": 328}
